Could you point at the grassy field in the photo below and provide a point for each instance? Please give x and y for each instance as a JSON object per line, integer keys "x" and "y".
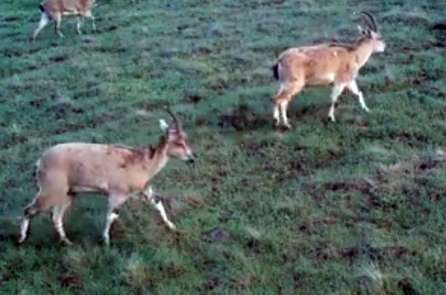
{"x": 355, "y": 207}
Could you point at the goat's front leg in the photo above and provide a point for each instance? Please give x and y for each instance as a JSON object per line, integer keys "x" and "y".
{"x": 58, "y": 213}
{"x": 149, "y": 195}
{"x": 44, "y": 20}
{"x": 79, "y": 25}
{"x": 58, "y": 21}
{"x": 353, "y": 87}
{"x": 336, "y": 91}
{"x": 93, "y": 21}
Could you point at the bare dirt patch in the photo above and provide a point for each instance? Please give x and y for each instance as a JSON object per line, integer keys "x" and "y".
{"x": 439, "y": 30}
{"x": 417, "y": 164}
{"x": 58, "y": 58}
{"x": 11, "y": 18}
{"x": 242, "y": 118}
{"x": 363, "y": 185}
{"x": 70, "y": 281}
{"x": 374, "y": 253}
{"x": 193, "y": 98}
{"x": 62, "y": 107}
{"x": 216, "y": 235}
{"x": 212, "y": 283}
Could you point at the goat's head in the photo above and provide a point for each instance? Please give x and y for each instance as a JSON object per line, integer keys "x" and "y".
{"x": 370, "y": 31}
{"x": 177, "y": 144}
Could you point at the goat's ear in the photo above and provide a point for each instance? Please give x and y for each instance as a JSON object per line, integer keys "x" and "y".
{"x": 163, "y": 125}
{"x": 364, "y": 32}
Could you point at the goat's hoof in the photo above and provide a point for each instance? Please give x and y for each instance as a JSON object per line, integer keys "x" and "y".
{"x": 67, "y": 242}
{"x": 106, "y": 241}
{"x": 172, "y": 227}
{"x": 284, "y": 128}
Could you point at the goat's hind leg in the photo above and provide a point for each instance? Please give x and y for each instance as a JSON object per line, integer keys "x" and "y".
{"x": 37, "y": 206}
{"x": 115, "y": 201}
{"x": 79, "y": 25}
{"x": 93, "y": 21}
{"x": 30, "y": 211}
{"x": 337, "y": 90}
{"x": 353, "y": 87}
{"x": 276, "y": 111}
{"x": 282, "y": 99}
{"x": 58, "y": 21}
{"x": 44, "y": 20}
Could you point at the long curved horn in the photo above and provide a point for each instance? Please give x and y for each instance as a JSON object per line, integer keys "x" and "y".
{"x": 175, "y": 119}
{"x": 370, "y": 20}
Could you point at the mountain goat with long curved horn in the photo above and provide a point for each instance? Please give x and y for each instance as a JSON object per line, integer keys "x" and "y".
{"x": 117, "y": 171}
{"x": 53, "y": 10}
{"x": 325, "y": 64}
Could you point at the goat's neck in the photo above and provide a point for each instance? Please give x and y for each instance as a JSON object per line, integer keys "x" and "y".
{"x": 363, "y": 52}
{"x": 157, "y": 160}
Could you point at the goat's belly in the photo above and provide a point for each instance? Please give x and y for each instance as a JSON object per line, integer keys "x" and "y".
{"x": 70, "y": 13}
{"x": 321, "y": 80}
{"x": 83, "y": 189}
{"x": 100, "y": 187}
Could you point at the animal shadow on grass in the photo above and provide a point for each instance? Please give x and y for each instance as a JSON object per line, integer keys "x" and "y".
{"x": 8, "y": 230}
{"x": 41, "y": 233}
{"x": 307, "y": 113}
{"x": 243, "y": 118}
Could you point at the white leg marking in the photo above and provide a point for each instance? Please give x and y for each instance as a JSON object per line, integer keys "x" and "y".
{"x": 337, "y": 90}
{"x": 283, "y": 108}
{"x": 44, "y": 20}
{"x": 159, "y": 206}
{"x": 276, "y": 111}
{"x": 24, "y": 229}
{"x": 93, "y": 22}
{"x": 149, "y": 195}
{"x": 58, "y": 213}
{"x": 58, "y": 22}
{"x": 353, "y": 87}
{"x": 111, "y": 217}
{"x": 276, "y": 114}
{"x": 79, "y": 25}
{"x": 114, "y": 202}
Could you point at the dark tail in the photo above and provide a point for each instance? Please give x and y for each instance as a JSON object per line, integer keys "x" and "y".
{"x": 42, "y": 8}
{"x": 276, "y": 71}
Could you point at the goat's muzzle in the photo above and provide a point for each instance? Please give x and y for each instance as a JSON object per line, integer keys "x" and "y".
{"x": 191, "y": 159}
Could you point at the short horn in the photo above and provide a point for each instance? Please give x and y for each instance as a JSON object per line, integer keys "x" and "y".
{"x": 175, "y": 119}
{"x": 371, "y": 21}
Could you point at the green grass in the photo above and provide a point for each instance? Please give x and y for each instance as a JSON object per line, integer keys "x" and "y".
{"x": 355, "y": 207}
